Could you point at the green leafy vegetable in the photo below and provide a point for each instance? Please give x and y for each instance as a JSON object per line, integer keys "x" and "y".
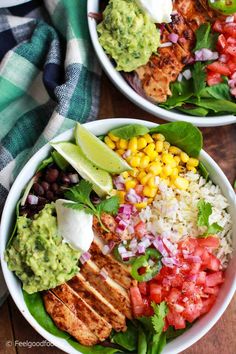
{"x": 203, "y": 170}
{"x": 59, "y": 160}
{"x": 153, "y": 328}
{"x": 44, "y": 163}
{"x": 129, "y": 131}
{"x": 96, "y": 349}
{"x": 215, "y": 105}
{"x": 182, "y": 134}
{"x": 199, "y": 78}
{"x": 204, "y": 212}
{"x": 80, "y": 194}
{"x": 181, "y": 91}
{"x": 235, "y": 184}
{"x": 219, "y": 91}
{"x": 205, "y": 38}
{"x": 196, "y": 111}
{"x": 15, "y": 226}
{"x": 128, "y": 339}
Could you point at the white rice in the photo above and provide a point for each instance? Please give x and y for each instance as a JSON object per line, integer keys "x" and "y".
{"x": 173, "y": 213}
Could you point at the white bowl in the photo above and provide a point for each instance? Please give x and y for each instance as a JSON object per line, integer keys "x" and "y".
{"x": 101, "y": 127}
{"x": 125, "y": 88}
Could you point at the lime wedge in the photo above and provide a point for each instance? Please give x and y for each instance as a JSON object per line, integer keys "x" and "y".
{"x": 100, "y": 179}
{"x": 98, "y": 152}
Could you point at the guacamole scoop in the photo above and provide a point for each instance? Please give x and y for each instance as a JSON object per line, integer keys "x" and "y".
{"x": 38, "y": 255}
{"x": 127, "y": 34}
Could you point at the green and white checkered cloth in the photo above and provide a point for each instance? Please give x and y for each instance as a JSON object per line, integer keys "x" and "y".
{"x": 48, "y": 80}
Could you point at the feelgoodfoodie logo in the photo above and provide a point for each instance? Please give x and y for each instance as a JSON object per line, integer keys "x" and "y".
{"x": 28, "y": 344}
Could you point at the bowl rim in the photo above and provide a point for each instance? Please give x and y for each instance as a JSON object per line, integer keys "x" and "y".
{"x": 126, "y": 90}
{"x": 105, "y": 124}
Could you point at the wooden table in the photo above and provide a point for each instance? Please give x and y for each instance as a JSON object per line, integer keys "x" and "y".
{"x": 220, "y": 143}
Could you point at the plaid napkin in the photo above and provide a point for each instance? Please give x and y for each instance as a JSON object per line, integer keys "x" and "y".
{"x": 49, "y": 78}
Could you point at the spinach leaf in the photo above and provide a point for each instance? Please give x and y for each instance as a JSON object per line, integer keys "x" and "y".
{"x": 194, "y": 111}
{"x": 44, "y": 163}
{"x": 181, "y": 91}
{"x": 220, "y": 91}
{"x": 96, "y": 349}
{"x": 182, "y": 134}
{"x": 35, "y": 305}
{"x": 214, "y": 104}
{"x": 127, "y": 339}
{"x": 129, "y": 131}
{"x": 15, "y": 226}
{"x": 204, "y": 38}
{"x": 203, "y": 170}
{"x": 199, "y": 78}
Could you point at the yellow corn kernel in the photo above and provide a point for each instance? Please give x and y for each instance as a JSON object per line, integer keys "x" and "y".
{"x": 141, "y": 175}
{"x": 166, "y": 145}
{"x": 152, "y": 182}
{"x": 153, "y": 155}
{"x": 141, "y": 205}
{"x": 110, "y": 143}
{"x": 181, "y": 183}
{"x": 142, "y": 143}
{"x": 133, "y": 144}
{"x": 148, "y": 138}
{"x": 140, "y": 154}
{"x": 145, "y": 179}
{"x": 134, "y": 172}
{"x": 167, "y": 170}
{"x": 166, "y": 181}
{"x": 159, "y": 146}
{"x": 135, "y": 161}
{"x": 177, "y": 159}
{"x": 149, "y": 192}
{"x": 155, "y": 168}
{"x": 150, "y": 148}
{"x": 191, "y": 168}
{"x": 123, "y": 144}
{"x": 113, "y": 137}
{"x": 144, "y": 161}
{"x": 121, "y": 196}
{"x": 184, "y": 157}
{"x": 125, "y": 174}
{"x": 174, "y": 150}
{"x": 167, "y": 158}
{"x": 130, "y": 183}
{"x": 174, "y": 172}
{"x": 159, "y": 137}
{"x": 150, "y": 200}
{"x": 120, "y": 152}
{"x": 181, "y": 169}
{"x": 193, "y": 162}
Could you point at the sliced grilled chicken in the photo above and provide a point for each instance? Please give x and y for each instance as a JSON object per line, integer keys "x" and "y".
{"x": 110, "y": 224}
{"x": 97, "y": 301}
{"x": 117, "y": 271}
{"x": 67, "y": 321}
{"x": 97, "y": 324}
{"x": 111, "y": 290}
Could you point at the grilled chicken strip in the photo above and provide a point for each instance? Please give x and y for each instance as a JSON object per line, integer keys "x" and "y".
{"x": 67, "y": 321}
{"x": 110, "y": 223}
{"x": 97, "y": 324}
{"x": 94, "y": 299}
{"x": 117, "y": 271}
{"x": 112, "y": 291}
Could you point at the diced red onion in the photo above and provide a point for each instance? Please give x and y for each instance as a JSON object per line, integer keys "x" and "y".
{"x": 170, "y": 262}
{"x": 158, "y": 244}
{"x": 119, "y": 183}
{"x": 187, "y": 74}
{"x": 232, "y": 83}
{"x": 130, "y": 229}
{"x": 233, "y": 92}
{"x": 85, "y": 257}
{"x": 233, "y": 77}
{"x": 122, "y": 226}
{"x": 133, "y": 244}
{"x": 173, "y": 37}
{"x": 205, "y": 54}
{"x": 133, "y": 197}
{"x": 32, "y": 199}
{"x": 229, "y": 19}
{"x": 145, "y": 241}
{"x": 223, "y": 58}
{"x": 125, "y": 210}
{"x": 74, "y": 178}
{"x": 194, "y": 259}
{"x": 141, "y": 248}
{"x": 126, "y": 154}
{"x": 121, "y": 249}
{"x": 170, "y": 246}
{"x": 127, "y": 255}
{"x": 103, "y": 274}
{"x": 106, "y": 250}
{"x": 165, "y": 45}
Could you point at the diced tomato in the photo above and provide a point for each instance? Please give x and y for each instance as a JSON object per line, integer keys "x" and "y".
{"x": 231, "y": 40}
{"x": 207, "y": 304}
{"x": 213, "y": 291}
{"x": 214, "y": 263}
{"x": 174, "y": 295}
{"x": 201, "y": 278}
{"x": 143, "y": 288}
{"x": 209, "y": 242}
{"x": 231, "y": 50}
{"x": 156, "y": 293}
{"x": 220, "y": 68}
{"x": 136, "y": 301}
{"x": 177, "y": 281}
{"x": 175, "y": 319}
{"x": 232, "y": 66}
{"x": 214, "y": 279}
{"x": 140, "y": 229}
{"x": 166, "y": 325}
{"x": 191, "y": 312}
{"x": 148, "y": 310}
{"x": 230, "y": 28}
{"x": 213, "y": 78}
{"x": 221, "y": 42}
{"x": 188, "y": 288}
{"x": 195, "y": 268}
{"x": 218, "y": 27}
{"x": 189, "y": 244}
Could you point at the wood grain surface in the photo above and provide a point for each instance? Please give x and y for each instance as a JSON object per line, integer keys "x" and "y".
{"x": 220, "y": 143}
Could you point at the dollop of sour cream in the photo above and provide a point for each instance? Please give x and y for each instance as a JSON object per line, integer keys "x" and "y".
{"x": 74, "y": 226}
{"x": 158, "y": 10}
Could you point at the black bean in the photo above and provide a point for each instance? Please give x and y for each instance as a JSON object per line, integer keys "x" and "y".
{"x": 51, "y": 175}
{"x": 45, "y": 185}
{"x": 54, "y": 187}
{"x": 49, "y": 195}
{"x": 42, "y": 201}
{"x": 64, "y": 178}
{"x": 38, "y": 189}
